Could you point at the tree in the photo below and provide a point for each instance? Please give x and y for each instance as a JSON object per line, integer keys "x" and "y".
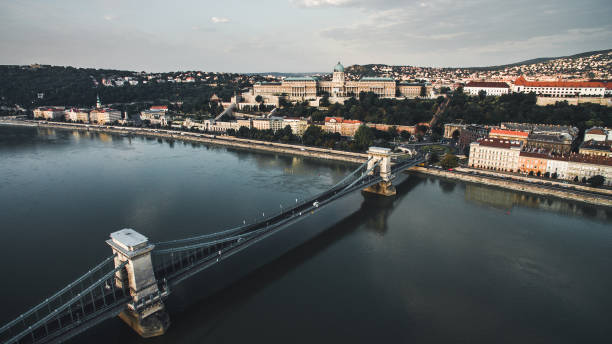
{"x": 324, "y": 100}
{"x": 482, "y": 94}
{"x": 259, "y": 98}
{"x": 423, "y": 91}
{"x": 282, "y": 102}
{"x": 596, "y": 181}
{"x": 243, "y": 132}
{"x": 364, "y": 137}
{"x": 312, "y": 135}
{"x": 575, "y": 179}
{"x": 449, "y": 161}
{"x": 432, "y": 158}
{"x": 584, "y": 180}
{"x": 393, "y": 133}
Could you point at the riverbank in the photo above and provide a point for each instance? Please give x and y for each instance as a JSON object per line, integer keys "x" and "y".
{"x": 582, "y": 194}
{"x": 223, "y": 140}
{"x": 521, "y": 186}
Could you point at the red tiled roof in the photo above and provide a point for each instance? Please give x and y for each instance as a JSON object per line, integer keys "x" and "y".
{"x": 597, "y": 131}
{"x": 342, "y": 120}
{"x": 509, "y": 132}
{"x": 492, "y": 84}
{"x": 159, "y": 107}
{"x": 337, "y": 119}
{"x": 521, "y": 81}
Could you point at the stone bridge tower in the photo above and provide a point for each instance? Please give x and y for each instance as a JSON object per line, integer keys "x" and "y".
{"x": 382, "y": 155}
{"x": 146, "y": 313}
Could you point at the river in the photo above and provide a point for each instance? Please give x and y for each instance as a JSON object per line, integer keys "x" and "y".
{"x": 443, "y": 261}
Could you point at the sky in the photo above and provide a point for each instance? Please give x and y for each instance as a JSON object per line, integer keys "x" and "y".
{"x": 296, "y": 35}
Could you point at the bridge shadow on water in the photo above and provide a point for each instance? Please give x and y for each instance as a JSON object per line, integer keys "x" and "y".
{"x": 209, "y": 312}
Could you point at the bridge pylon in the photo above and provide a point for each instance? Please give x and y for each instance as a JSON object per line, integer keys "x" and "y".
{"x": 383, "y": 157}
{"x": 146, "y": 314}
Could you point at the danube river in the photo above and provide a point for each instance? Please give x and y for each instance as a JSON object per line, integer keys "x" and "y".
{"x": 443, "y": 261}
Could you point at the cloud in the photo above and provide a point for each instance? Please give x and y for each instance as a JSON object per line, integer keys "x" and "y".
{"x": 323, "y": 3}
{"x": 109, "y": 17}
{"x": 218, "y": 20}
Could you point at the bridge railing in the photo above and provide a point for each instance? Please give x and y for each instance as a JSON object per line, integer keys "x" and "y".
{"x": 248, "y": 227}
{"x": 173, "y": 261}
{"x": 75, "y": 304}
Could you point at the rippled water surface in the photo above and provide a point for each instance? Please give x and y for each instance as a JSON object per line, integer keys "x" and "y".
{"x": 441, "y": 262}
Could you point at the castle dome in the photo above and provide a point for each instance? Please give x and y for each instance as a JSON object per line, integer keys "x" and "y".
{"x": 339, "y": 67}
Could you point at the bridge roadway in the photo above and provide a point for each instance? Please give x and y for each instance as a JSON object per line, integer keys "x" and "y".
{"x": 94, "y": 297}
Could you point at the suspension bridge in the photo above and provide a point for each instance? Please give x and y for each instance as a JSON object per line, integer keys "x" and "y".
{"x": 135, "y": 280}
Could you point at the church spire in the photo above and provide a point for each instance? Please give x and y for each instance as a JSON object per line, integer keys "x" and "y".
{"x": 98, "y": 102}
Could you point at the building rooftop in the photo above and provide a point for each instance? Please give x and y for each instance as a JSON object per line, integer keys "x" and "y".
{"x": 509, "y": 132}
{"x": 341, "y": 120}
{"x": 521, "y": 81}
{"x": 552, "y": 137}
{"x": 590, "y": 159}
{"x": 499, "y": 143}
{"x": 596, "y": 131}
{"x": 489, "y": 84}
{"x": 605, "y": 146}
{"x": 129, "y": 239}
{"x": 339, "y": 67}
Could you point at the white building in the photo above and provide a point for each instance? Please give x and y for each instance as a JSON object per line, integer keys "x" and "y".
{"x": 492, "y": 88}
{"x": 104, "y": 116}
{"x": 585, "y": 166}
{"x": 560, "y": 88}
{"x": 77, "y": 115}
{"x": 558, "y": 166}
{"x": 298, "y": 125}
{"x": 598, "y": 134}
{"x": 495, "y": 154}
{"x": 156, "y": 115}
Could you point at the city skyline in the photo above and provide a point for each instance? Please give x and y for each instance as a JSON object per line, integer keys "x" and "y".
{"x": 296, "y": 35}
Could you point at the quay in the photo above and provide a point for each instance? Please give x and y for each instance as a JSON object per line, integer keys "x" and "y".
{"x": 222, "y": 140}
{"x": 579, "y": 194}
{"x": 584, "y": 194}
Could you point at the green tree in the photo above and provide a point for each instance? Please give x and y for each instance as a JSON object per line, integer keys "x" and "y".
{"x": 596, "y": 181}
{"x": 449, "y": 161}
{"x": 324, "y": 100}
{"x": 312, "y": 136}
{"x": 433, "y": 158}
{"x": 259, "y": 98}
{"x": 364, "y": 137}
{"x": 482, "y": 94}
{"x": 423, "y": 91}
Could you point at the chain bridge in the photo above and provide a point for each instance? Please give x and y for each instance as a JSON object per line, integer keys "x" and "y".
{"x": 136, "y": 279}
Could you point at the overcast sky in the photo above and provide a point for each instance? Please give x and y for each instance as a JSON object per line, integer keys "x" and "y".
{"x": 296, "y": 35}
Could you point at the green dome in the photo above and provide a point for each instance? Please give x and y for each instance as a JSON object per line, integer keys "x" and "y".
{"x": 339, "y": 67}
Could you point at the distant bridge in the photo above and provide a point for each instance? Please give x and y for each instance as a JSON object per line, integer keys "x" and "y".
{"x": 134, "y": 282}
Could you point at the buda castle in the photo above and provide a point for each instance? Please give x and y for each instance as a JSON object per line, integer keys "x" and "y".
{"x": 309, "y": 87}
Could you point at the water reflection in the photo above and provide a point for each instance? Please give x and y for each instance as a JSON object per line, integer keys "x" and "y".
{"x": 506, "y": 200}
{"x": 380, "y": 208}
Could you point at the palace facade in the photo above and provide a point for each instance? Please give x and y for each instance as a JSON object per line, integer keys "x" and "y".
{"x": 309, "y": 87}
